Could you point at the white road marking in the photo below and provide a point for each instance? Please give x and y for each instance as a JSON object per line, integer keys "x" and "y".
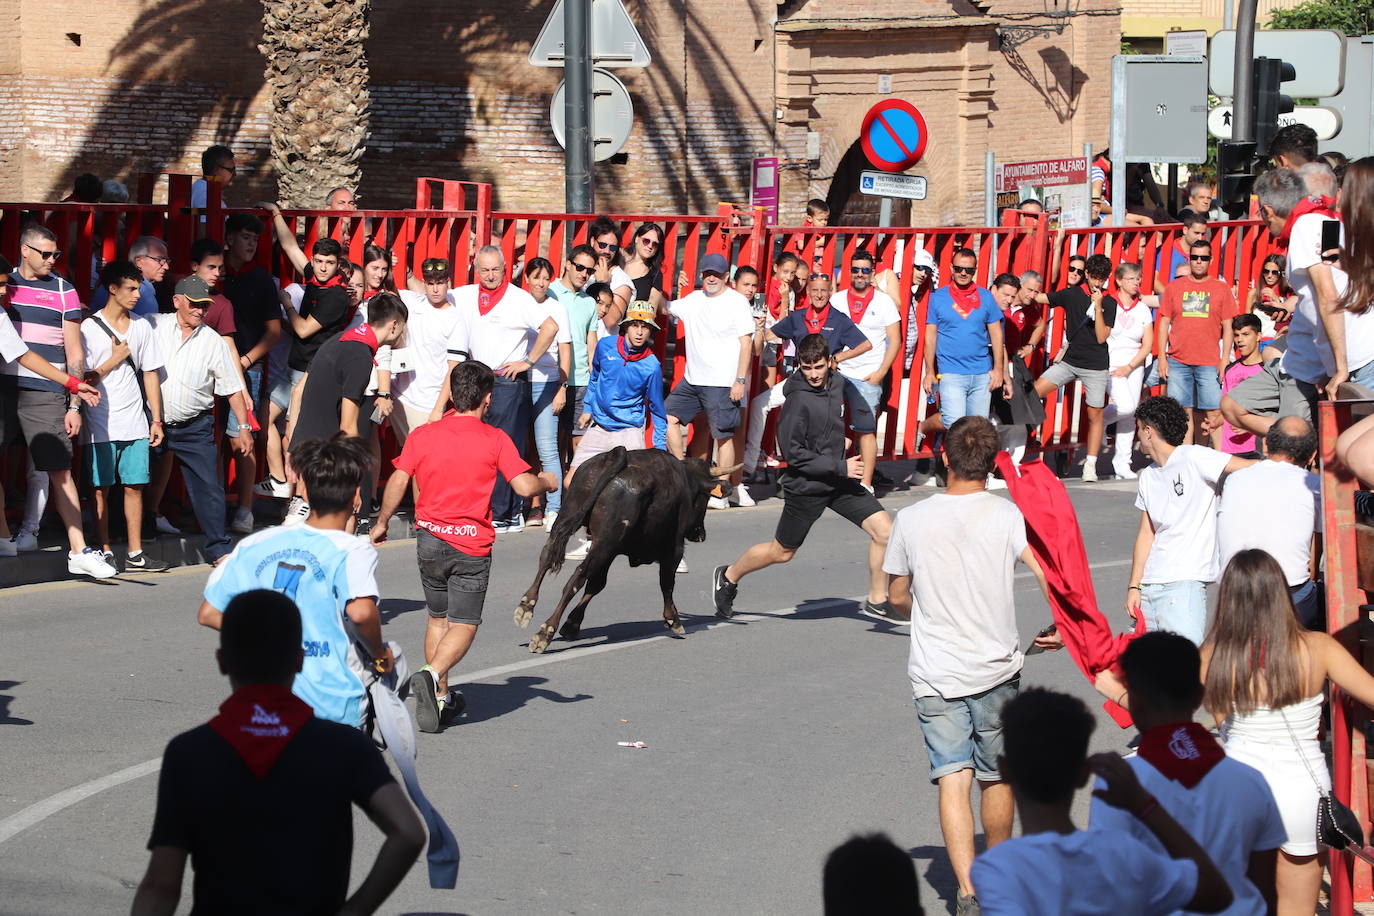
{"x": 55, "y": 804}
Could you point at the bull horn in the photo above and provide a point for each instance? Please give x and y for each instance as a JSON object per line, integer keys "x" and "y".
{"x": 725, "y": 472}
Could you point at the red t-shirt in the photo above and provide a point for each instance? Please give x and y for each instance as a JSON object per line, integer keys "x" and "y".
{"x": 1196, "y": 310}
{"x": 220, "y": 316}
{"x": 1019, "y": 324}
{"x": 455, "y": 462}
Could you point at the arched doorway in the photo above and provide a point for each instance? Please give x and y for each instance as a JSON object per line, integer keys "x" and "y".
{"x": 850, "y": 207}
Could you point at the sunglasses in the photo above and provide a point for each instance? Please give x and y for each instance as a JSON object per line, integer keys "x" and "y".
{"x": 45, "y": 255}
{"x": 962, "y": 270}
{"x": 431, "y": 265}
{"x": 607, "y": 246}
{"x": 1199, "y": 257}
{"x": 650, "y": 241}
{"x": 861, "y": 270}
{"x": 1075, "y": 270}
{"x": 583, "y": 268}
{"x": 1270, "y": 273}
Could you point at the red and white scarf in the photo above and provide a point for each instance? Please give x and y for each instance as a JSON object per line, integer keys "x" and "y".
{"x": 1326, "y": 206}
{"x": 488, "y": 299}
{"x": 815, "y": 320}
{"x": 965, "y": 300}
{"x": 1183, "y": 751}
{"x": 363, "y": 333}
{"x": 259, "y": 721}
{"x": 858, "y": 305}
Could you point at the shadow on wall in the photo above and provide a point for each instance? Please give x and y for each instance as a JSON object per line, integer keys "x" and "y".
{"x": 1060, "y": 83}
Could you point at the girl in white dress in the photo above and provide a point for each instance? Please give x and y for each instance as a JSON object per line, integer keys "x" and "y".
{"x": 1265, "y": 680}
{"x": 1128, "y": 349}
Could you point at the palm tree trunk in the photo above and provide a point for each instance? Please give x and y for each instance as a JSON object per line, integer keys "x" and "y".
{"x": 317, "y": 69}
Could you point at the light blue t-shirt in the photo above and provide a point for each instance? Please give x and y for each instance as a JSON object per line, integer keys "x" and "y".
{"x": 581, "y": 319}
{"x": 962, "y": 345}
{"x": 147, "y": 299}
{"x": 321, "y": 571}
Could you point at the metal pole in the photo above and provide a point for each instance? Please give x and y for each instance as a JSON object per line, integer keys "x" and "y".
{"x": 1243, "y": 103}
{"x": 1171, "y": 198}
{"x": 577, "y": 105}
{"x": 989, "y": 193}
{"x": 885, "y": 212}
{"x": 1227, "y": 14}
{"x": 1088, "y": 155}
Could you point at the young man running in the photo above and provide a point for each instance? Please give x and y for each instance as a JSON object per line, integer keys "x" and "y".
{"x": 454, "y": 532}
{"x": 817, "y": 477}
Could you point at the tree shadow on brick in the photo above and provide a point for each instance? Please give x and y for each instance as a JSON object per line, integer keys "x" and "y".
{"x": 1063, "y": 85}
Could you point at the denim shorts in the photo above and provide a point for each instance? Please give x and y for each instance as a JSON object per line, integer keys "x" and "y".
{"x": 1179, "y": 607}
{"x": 455, "y": 583}
{"x": 1198, "y": 387}
{"x": 861, "y": 404}
{"x": 965, "y": 732}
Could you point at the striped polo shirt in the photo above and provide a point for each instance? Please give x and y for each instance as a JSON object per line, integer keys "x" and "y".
{"x": 38, "y": 308}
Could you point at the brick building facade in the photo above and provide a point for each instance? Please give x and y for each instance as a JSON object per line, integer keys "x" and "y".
{"x": 128, "y": 86}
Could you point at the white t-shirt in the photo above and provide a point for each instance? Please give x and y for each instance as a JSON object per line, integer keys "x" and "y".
{"x": 960, "y": 552}
{"x": 428, "y": 330}
{"x": 1309, "y": 357}
{"x": 546, "y": 369}
{"x": 714, "y": 326}
{"x": 1275, "y": 506}
{"x": 1181, "y": 498}
{"x": 881, "y": 312}
{"x": 1123, "y": 343}
{"x": 119, "y": 416}
{"x": 499, "y": 336}
{"x": 12, "y": 346}
{"x": 619, "y": 279}
{"x": 1084, "y": 873}
{"x": 1231, "y": 813}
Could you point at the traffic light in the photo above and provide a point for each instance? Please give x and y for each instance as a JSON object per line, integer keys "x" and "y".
{"x": 1270, "y": 73}
{"x": 1234, "y": 159}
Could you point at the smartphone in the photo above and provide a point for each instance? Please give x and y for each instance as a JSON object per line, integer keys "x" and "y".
{"x": 1331, "y": 238}
{"x": 758, "y": 305}
{"x": 377, "y": 415}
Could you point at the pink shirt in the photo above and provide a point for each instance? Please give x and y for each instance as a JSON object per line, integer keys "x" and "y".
{"x": 1237, "y": 441}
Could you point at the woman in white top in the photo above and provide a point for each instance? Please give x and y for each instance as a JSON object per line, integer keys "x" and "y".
{"x": 548, "y": 378}
{"x": 1128, "y": 349}
{"x": 604, "y": 237}
{"x": 1265, "y": 680}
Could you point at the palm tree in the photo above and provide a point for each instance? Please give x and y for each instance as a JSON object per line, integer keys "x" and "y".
{"x": 318, "y": 72}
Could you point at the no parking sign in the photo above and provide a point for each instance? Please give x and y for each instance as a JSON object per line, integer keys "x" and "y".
{"x": 893, "y": 135}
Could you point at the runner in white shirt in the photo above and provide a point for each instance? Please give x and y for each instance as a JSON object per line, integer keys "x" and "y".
{"x": 1128, "y": 349}
{"x": 1175, "y": 553}
{"x": 719, "y": 337}
{"x": 433, "y": 317}
{"x": 876, "y": 315}
{"x": 494, "y": 326}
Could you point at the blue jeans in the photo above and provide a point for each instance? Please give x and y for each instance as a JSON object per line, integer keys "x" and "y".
{"x": 965, "y": 733}
{"x": 964, "y": 396}
{"x": 1179, "y": 607}
{"x": 546, "y": 435}
{"x": 510, "y": 413}
{"x": 1198, "y": 387}
{"x": 194, "y": 445}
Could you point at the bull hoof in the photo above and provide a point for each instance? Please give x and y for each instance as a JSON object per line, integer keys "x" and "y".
{"x": 571, "y": 630}
{"x": 676, "y": 626}
{"x": 524, "y": 612}
{"x": 540, "y": 641}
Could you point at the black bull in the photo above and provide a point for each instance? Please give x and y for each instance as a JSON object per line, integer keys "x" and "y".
{"x": 641, "y": 505}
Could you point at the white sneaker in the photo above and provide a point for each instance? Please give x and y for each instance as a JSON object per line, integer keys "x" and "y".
{"x": 869, "y": 488}
{"x": 682, "y": 566}
{"x": 717, "y": 502}
{"x": 165, "y": 527}
{"x": 742, "y": 497}
{"x": 89, "y": 562}
{"x": 549, "y": 519}
{"x": 296, "y": 513}
{"x": 272, "y": 489}
{"x": 26, "y": 541}
{"x": 1090, "y": 470}
{"x": 1126, "y": 473}
{"x": 8, "y": 548}
{"x": 579, "y": 552}
{"x": 243, "y": 521}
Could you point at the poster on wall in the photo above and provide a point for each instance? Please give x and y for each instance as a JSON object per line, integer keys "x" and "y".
{"x": 1060, "y": 185}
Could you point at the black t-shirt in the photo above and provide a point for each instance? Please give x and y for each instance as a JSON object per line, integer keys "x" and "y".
{"x": 340, "y": 370}
{"x": 282, "y": 845}
{"x": 646, "y": 284}
{"x": 1080, "y": 331}
{"x": 329, "y": 306}
{"x": 254, "y": 296}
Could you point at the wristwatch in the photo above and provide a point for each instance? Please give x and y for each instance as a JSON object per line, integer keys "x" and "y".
{"x": 243, "y": 426}
{"x": 384, "y": 395}
{"x": 739, "y": 380}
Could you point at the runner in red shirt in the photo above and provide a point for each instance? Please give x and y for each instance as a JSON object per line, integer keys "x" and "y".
{"x": 453, "y": 526}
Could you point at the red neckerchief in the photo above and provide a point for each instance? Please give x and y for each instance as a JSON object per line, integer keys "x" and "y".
{"x": 774, "y": 300}
{"x": 488, "y": 299}
{"x": 1121, "y": 301}
{"x": 363, "y": 333}
{"x": 631, "y": 356}
{"x": 259, "y": 721}
{"x": 858, "y": 305}
{"x": 965, "y": 300}
{"x": 1318, "y": 204}
{"x": 336, "y": 280}
{"x": 1185, "y": 752}
{"x": 813, "y": 326}
{"x": 369, "y": 293}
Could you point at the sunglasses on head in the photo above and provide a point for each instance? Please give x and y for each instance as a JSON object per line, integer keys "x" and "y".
{"x": 431, "y": 265}
{"x": 962, "y": 270}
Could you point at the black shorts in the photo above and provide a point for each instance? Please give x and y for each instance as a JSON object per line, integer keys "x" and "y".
{"x": 687, "y": 401}
{"x": 800, "y": 510}
{"x": 455, "y": 583}
{"x": 40, "y": 418}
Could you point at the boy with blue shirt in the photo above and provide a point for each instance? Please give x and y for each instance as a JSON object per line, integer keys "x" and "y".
{"x": 330, "y": 574}
{"x": 964, "y": 335}
{"x": 626, "y": 387}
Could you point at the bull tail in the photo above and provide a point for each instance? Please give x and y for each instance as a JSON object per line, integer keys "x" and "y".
{"x": 578, "y": 506}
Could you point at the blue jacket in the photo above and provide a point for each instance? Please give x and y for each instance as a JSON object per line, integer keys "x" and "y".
{"x": 619, "y": 391}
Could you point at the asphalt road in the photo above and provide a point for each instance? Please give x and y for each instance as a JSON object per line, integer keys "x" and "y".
{"x": 771, "y": 738}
